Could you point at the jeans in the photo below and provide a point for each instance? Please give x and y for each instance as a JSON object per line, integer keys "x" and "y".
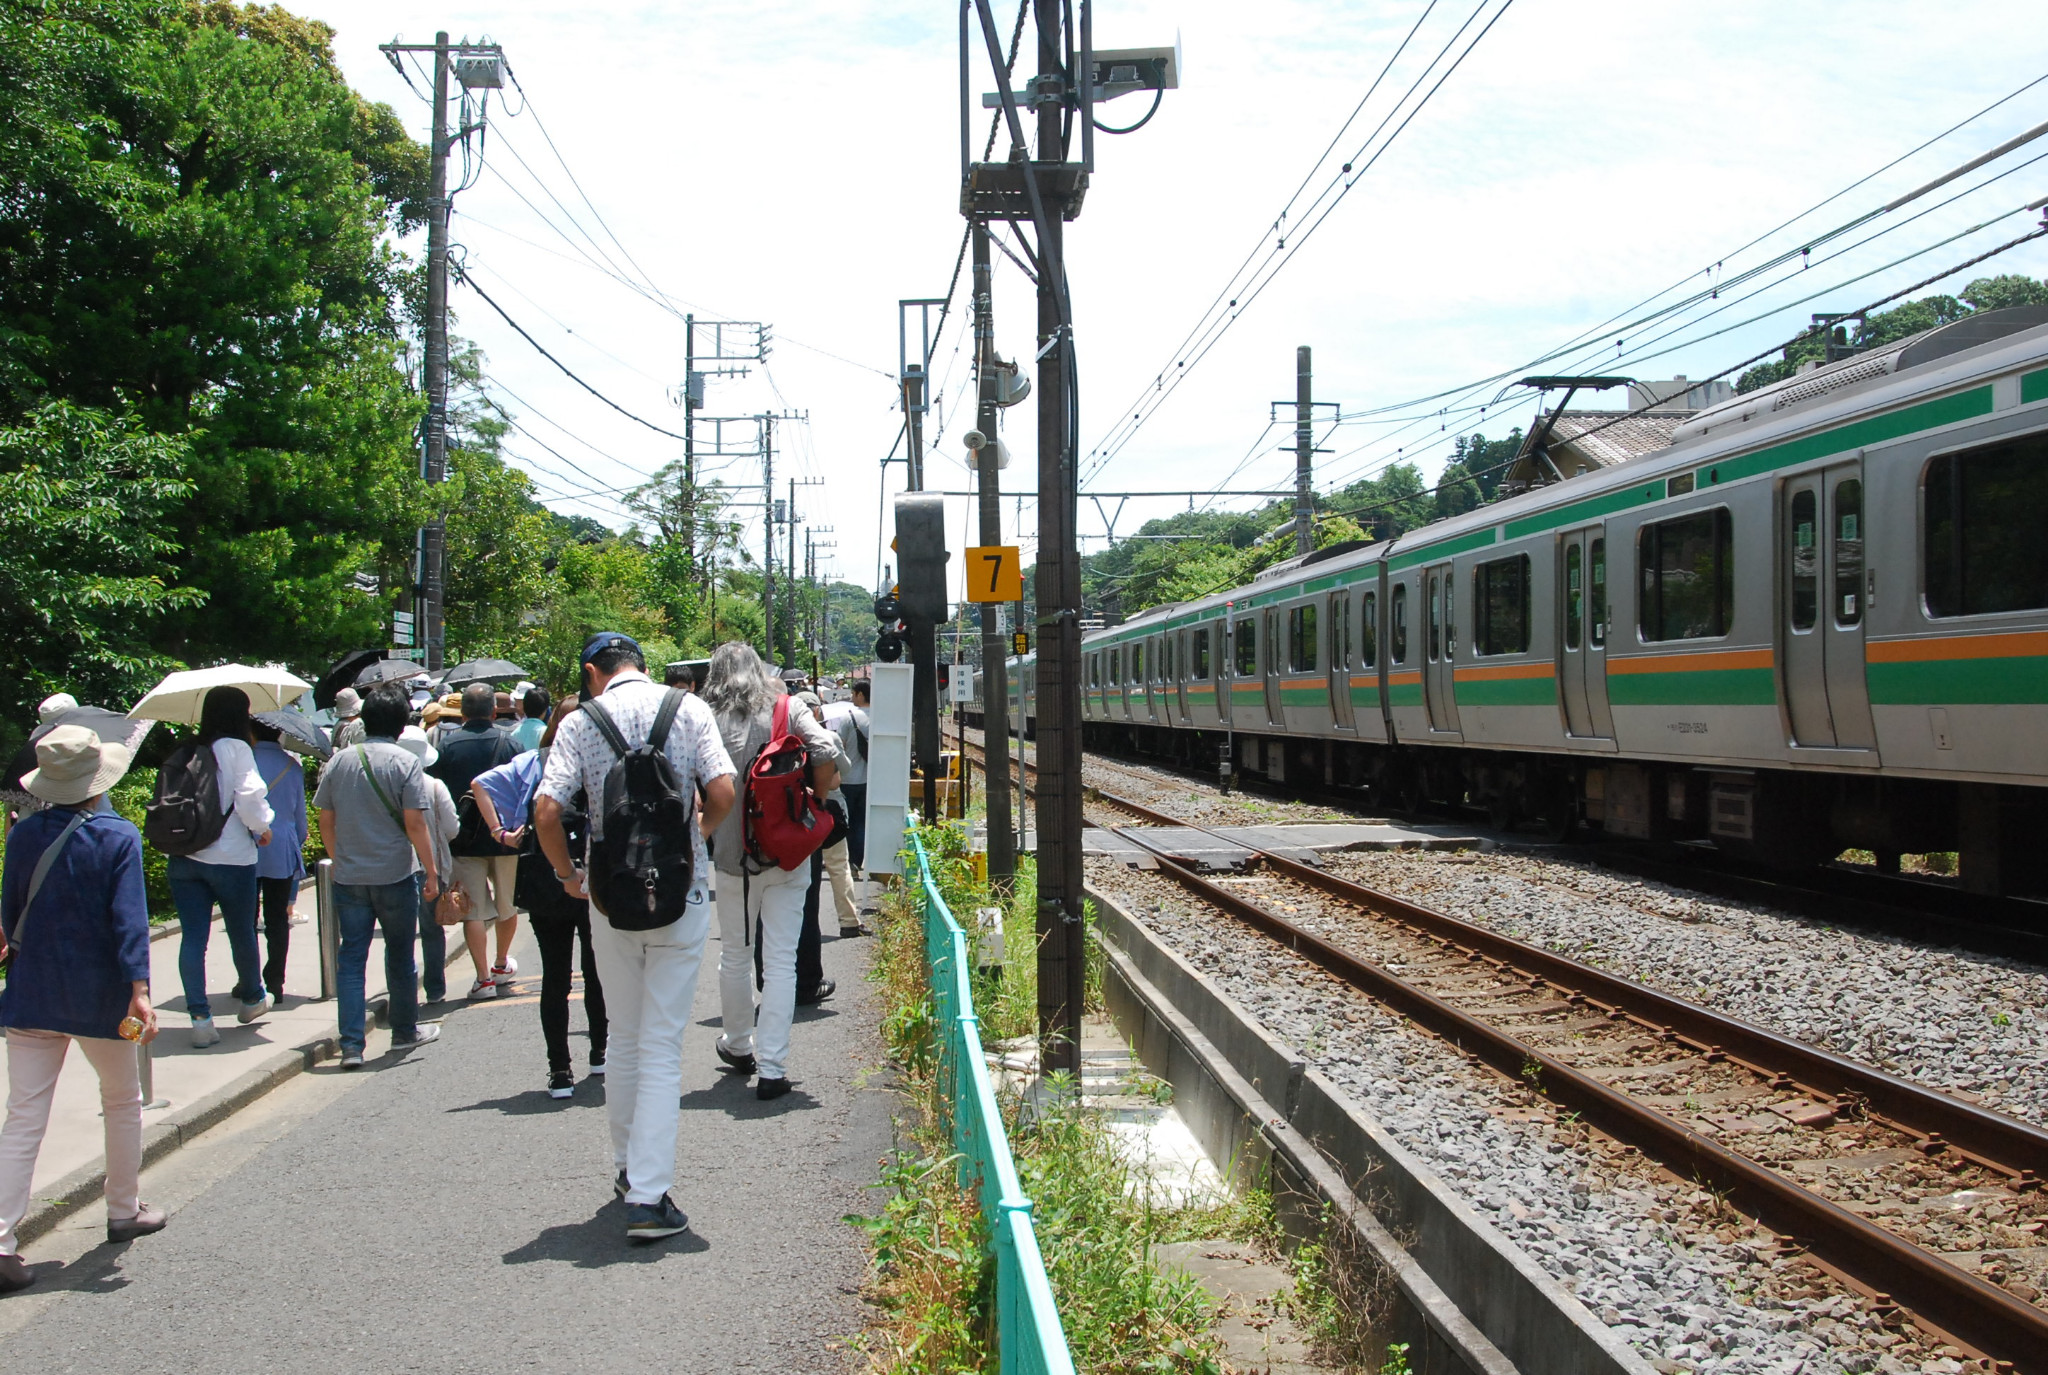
{"x": 775, "y": 900}
{"x": 393, "y": 908}
{"x": 277, "y": 895}
{"x": 195, "y": 888}
{"x": 557, "y": 937}
{"x": 856, "y": 795}
{"x": 650, "y": 979}
{"x": 33, "y": 1060}
{"x": 433, "y": 955}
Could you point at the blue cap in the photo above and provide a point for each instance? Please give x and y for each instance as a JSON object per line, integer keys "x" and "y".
{"x": 604, "y": 640}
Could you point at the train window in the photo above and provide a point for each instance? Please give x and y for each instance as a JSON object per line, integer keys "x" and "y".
{"x": 1450, "y": 616}
{"x": 1848, "y": 521}
{"x": 1198, "y": 654}
{"x": 1436, "y": 620}
{"x": 1596, "y": 560}
{"x": 1369, "y": 631}
{"x": 1166, "y": 658}
{"x": 1985, "y": 511}
{"x": 1500, "y": 606}
{"x": 1301, "y": 639}
{"x": 1688, "y": 577}
{"x": 1803, "y": 559}
{"x": 1340, "y": 631}
{"x": 1399, "y": 628}
{"x": 1116, "y": 667}
{"x": 1574, "y": 593}
{"x": 1247, "y": 648}
{"x": 1138, "y": 663}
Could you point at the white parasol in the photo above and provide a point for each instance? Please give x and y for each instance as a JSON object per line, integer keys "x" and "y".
{"x": 177, "y": 698}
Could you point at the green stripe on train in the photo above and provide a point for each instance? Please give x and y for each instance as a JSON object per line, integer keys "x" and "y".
{"x": 1714, "y": 687}
{"x": 2022, "y": 680}
{"x": 1404, "y": 694}
{"x": 1508, "y": 692}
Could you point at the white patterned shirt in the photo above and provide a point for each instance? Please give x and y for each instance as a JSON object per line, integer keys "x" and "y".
{"x": 580, "y": 757}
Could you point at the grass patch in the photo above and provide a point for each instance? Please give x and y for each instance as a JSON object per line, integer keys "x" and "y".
{"x": 933, "y": 1281}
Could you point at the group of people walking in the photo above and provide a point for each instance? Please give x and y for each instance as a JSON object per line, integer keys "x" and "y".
{"x": 466, "y": 826}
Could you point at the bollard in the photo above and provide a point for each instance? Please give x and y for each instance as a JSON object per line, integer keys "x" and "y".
{"x": 330, "y": 929}
{"x": 145, "y": 1069}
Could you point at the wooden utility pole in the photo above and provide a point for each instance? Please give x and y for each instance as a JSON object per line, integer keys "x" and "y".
{"x": 995, "y": 696}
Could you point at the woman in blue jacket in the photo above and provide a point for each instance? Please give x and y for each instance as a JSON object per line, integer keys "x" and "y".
{"x": 281, "y": 864}
{"x": 74, "y": 914}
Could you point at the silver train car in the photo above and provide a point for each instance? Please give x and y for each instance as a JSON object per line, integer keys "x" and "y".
{"x": 1817, "y": 620}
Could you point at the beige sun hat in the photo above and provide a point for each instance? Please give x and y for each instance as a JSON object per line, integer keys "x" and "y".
{"x": 73, "y": 764}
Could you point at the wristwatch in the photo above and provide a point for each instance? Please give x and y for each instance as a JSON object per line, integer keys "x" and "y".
{"x": 566, "y": 878}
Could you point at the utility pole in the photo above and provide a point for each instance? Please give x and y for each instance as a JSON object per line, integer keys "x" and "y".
{"x": 915, "y": 378}
{"x": 797, "y": 613}
{"x": 722, "y": 352}
{"x": 1304, "y": 453}
{"x": 768, "y": 550}
{"x": 481, "y": 69}
{"x": 995, "y": 694}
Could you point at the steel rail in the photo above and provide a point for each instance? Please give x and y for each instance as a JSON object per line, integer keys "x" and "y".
{"x": 1970, "y": 1310}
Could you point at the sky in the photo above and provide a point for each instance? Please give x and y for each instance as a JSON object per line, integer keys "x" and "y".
{"x": 797, "y": 164}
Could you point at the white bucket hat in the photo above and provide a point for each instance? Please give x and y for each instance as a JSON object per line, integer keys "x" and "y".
{"x": 72, "y": 764}
{"x": 55, "y": 705}
{"x": 414, "y": 739}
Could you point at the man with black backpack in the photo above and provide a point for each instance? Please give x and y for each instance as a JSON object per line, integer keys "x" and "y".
{"x": 484, "y": 868}
{"x": 657, "y": 778}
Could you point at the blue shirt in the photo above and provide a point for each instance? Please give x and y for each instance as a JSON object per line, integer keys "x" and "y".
{"x": 510, "y": 785}
{"x": 285, "y": 855}
{"x": 86, "y": 940}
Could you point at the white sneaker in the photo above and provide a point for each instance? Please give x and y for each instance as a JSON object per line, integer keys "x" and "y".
{"x": 251, "y": 1011}
{"x": 481, "y": 989}
{"x": 203, "y": 1034}
{"x": 426, "y": 1033}
{"x": 505, "y": 972}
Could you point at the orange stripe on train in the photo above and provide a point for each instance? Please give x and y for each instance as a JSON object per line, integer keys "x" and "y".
{"x": 1497, "y": 672}
{"x": 1697, "y": 662}
{"x": 2016, "y": 645}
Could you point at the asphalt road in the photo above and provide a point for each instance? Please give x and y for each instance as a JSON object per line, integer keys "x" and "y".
{"x": 438, "y": 1212}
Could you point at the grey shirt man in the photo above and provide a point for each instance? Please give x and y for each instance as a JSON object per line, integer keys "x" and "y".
{"x": 371, "y": 846}
{"x": 742, "y": 743}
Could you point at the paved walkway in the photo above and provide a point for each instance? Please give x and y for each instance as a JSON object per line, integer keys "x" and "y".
{"x": 438, "y": 1212}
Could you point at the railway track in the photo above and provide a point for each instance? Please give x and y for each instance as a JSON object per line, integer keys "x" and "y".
{"x": 1692, "y": 1089}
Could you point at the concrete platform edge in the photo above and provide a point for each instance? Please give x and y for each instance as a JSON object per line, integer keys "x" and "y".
{"x": 1331, "y": 1145}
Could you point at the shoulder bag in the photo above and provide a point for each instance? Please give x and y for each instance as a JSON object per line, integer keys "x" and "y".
{"x": 35, "y": 885}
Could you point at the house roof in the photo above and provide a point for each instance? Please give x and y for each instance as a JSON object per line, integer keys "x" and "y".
{"x": 1611, "y": 437}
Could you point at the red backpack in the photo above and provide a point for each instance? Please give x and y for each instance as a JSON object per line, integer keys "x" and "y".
{"x": 784, "y": 822}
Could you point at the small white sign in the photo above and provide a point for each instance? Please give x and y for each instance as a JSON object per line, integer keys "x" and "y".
{"x": 961, "y": 688}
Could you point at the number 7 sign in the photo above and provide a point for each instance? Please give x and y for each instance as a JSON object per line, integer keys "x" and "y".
{"x": 995, "y": 573}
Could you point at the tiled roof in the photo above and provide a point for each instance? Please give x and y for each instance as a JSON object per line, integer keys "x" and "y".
{"x": 1611, "y": 437}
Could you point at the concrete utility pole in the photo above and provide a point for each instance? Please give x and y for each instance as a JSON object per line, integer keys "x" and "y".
{"x": 480, "y": 67}
{"x": 768, "y": 544}
{"x": 1304, "y": 453}
{"x": 995, "y": 659}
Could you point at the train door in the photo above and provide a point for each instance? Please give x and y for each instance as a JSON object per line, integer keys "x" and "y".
{"x": 1180, "y": 676}
{"x": 1582, "y": 622}
{"x": 1272, "y": 661}
{"x": 1824, "y": 595}
{"x": 1339, "y": 617}
{"x": 1440, "y": 599}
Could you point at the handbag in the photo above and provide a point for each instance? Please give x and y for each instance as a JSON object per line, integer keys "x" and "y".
{"x": 35, "y": 886}
{"x": 454, "y": 905}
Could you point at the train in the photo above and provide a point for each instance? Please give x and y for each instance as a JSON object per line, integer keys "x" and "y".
{"x": 1816, "y": 621}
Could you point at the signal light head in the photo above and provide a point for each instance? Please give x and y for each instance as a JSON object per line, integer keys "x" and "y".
{"x": 888, "y": 609}
{"x": 888, "y": 646}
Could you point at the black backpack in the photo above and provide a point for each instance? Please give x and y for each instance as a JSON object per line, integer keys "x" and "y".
{"x": 185, "y": 816}
{"x": 641, "y": 871}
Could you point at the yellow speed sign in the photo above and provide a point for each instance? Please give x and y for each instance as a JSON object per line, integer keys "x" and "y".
{"x": 995, "y": 573}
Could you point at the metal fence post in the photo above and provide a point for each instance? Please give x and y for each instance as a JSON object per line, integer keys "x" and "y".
{"x": 145, "y": 1069}
{"x": 330, "y": 929}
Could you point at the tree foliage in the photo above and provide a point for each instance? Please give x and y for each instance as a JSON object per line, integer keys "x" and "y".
{"x": 1901, "y": 321}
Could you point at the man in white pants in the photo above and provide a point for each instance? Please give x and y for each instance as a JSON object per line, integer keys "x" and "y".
{"x": 650, "y": 977}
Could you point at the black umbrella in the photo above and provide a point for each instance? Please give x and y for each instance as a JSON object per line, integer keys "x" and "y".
{"x": 387, "y": 671}
{"x": 298, "y": 732}
{"x": 483, "y": 671}
{"x": 112, "y": 727}
{"x": 343, "y": 674}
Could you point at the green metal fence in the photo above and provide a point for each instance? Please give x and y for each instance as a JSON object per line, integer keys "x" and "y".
{"x": 1028, "y": 1330}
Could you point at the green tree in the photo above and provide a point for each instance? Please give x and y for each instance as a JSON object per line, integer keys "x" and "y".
{"x": 1889, "y": 326}
{"x": 197, "y": 225}
{"x": 85, "y": 577}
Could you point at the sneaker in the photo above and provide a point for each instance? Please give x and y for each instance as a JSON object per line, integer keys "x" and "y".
{"x": 148, "y": 1218}
{"x": 653, "y": 1221}
{"x": 251, "y": 1011}
{"x": 351, "y": 1059}
{"x": 766, "y": 1088}
{"x": 561, "y": 1084}
{"x": 505, "y": 971}
{"x": 619, "y": 1185}
{"x": 15, "y": 1274}
{"x": 812, "y": 997}
{"x": 423, "y": 1035}
{"x": 742, "y": 1065}
{"x": 847, "y": 933}
{"x": 481, "y": 989}
{"x": 203, "y": 1034}
{"x": 597, "y": 1062}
